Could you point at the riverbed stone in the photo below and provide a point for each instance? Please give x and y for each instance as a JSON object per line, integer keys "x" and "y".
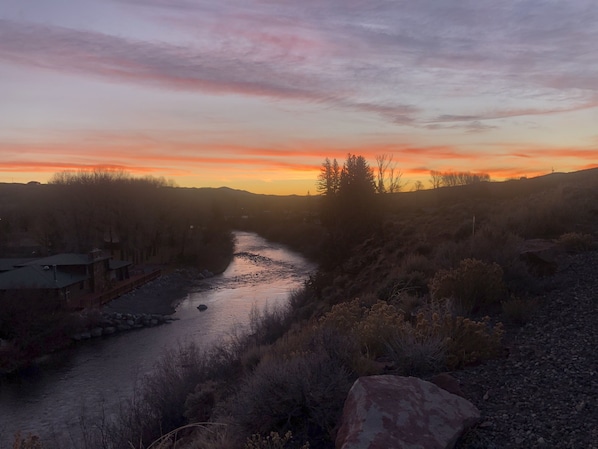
{"x": 96, "y": 332}
{"x": 109, "y": 330}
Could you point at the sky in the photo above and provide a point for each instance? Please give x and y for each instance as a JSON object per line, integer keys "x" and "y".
{"x": 255, "y": 94}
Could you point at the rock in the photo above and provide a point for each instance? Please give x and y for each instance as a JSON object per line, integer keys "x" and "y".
{"x": 96, "y": 332}
{"x": 109, "y": 330}
{"x": 448, "y": 383}
{"x": 202, "y": 307}
{"x": 540, "y": 256}
{"x": 85, "y": 335}
{"x": 393, "y": 412}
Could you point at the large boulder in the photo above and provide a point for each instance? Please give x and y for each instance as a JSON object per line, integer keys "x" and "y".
{"x": 393, "y": 412}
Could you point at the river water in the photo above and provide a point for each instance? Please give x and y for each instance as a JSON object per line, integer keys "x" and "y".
{"x": 101, "y": 374}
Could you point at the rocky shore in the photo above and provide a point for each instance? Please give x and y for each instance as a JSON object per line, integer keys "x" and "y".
{"x": 160, "y": 296}
{"x": 149, "y": 305}
{"x": 544, "y": 394}
{"x": 114, "y": 322}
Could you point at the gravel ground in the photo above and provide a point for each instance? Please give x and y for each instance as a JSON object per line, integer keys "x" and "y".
{"x": 159, "y": 296}
{"x": 545, "y": 393}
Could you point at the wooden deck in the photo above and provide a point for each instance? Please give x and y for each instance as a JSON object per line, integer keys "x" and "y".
{"x": 99, "y": 299}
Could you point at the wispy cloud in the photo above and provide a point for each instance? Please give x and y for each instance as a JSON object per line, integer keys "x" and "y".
{"x": 375, "y": 57}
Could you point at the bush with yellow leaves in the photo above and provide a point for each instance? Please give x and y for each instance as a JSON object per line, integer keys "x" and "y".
{"x": 272, "y": 441}
{"x": 473, "y": 285}
{"x": 434, "y": 340}
{"x": 577, "y": 242}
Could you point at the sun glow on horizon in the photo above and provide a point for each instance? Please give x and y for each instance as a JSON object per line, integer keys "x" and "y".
{"x": 155, "y": 88}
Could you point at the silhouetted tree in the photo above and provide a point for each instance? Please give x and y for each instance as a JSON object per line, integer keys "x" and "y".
{"x": 329, "y": 178}
{"x": 451, "y": 179}
{"x": 388, "y": 177}
{"x": 435, "y": 179}
{"x": 418, "y": 186}
{"x": 350, "y": 212}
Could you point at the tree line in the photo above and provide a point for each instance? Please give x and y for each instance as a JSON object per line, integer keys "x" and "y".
{"x": 137, "y": 219}
{"x": 456, "y": 178}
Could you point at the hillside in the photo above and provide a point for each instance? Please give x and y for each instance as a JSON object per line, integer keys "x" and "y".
{"x": 472, "y": 280}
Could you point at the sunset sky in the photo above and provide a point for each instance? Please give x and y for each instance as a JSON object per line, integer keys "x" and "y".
{"x": 254, "y": 94}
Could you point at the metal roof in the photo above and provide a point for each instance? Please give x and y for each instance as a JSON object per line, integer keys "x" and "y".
{"x": 37, "y": 277}
{"x": 66, "y": 259}
{"x": 12, "y": 263}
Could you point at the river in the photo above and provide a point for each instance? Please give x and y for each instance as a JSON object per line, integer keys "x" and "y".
{"x": 101, "y": 374}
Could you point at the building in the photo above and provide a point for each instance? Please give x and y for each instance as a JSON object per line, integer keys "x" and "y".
{"x": 62, "y": 277}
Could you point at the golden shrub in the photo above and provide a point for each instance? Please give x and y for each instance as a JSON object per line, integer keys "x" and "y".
{"x": 343, "y": 316}
{"x": 576, "y": 242}
{"x": 434, "y": 340}
{"x": 378, "y": 325}
{"x": 472, "y": 341}
{"x": 272, "y": 441}
{"x": 472, "y": 285}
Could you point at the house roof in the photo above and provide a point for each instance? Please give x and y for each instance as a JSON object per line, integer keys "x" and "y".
{"x": 36, "y": 277}
{"x": 66, "y": 259}
{"x": 12, "y": 263}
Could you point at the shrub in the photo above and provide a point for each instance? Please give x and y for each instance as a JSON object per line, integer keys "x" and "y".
{"x": 159, "y": 404}
{"x": 472, "y": 341}
{"x": 518, "y": 310}
{"x": 377, "y": 326}
{"x": 28, "y": 442}
{"x": 438, "y": 340}
{"x": 473, "y": 285}
{"x": 269, "y": 324}
{"x": 433, "y": 340}
{"x": 576, "y": 242}
{"x": 272, "y": 441}
{"x": 343, "y": 316}
{"x": 200, "y": 403}
{"x": 303, "y": 393}
{"x": 417, "y": 355}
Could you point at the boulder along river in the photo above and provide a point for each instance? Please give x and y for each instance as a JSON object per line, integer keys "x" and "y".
{"x": 98, "y": 375}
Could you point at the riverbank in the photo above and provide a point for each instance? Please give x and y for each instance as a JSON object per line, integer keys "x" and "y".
{"x": 159, "y": 296}
{"x": 105, "y": 372}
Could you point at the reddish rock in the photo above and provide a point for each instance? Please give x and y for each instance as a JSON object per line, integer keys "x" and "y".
{"x": 393, "y": 412}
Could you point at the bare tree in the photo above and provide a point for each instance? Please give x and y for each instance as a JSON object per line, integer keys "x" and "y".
{"x": 418, "y": 186}
{"x": 435, "y": 179}
{"x": 388, "y": 177}
{"x": 461, "y": 178}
